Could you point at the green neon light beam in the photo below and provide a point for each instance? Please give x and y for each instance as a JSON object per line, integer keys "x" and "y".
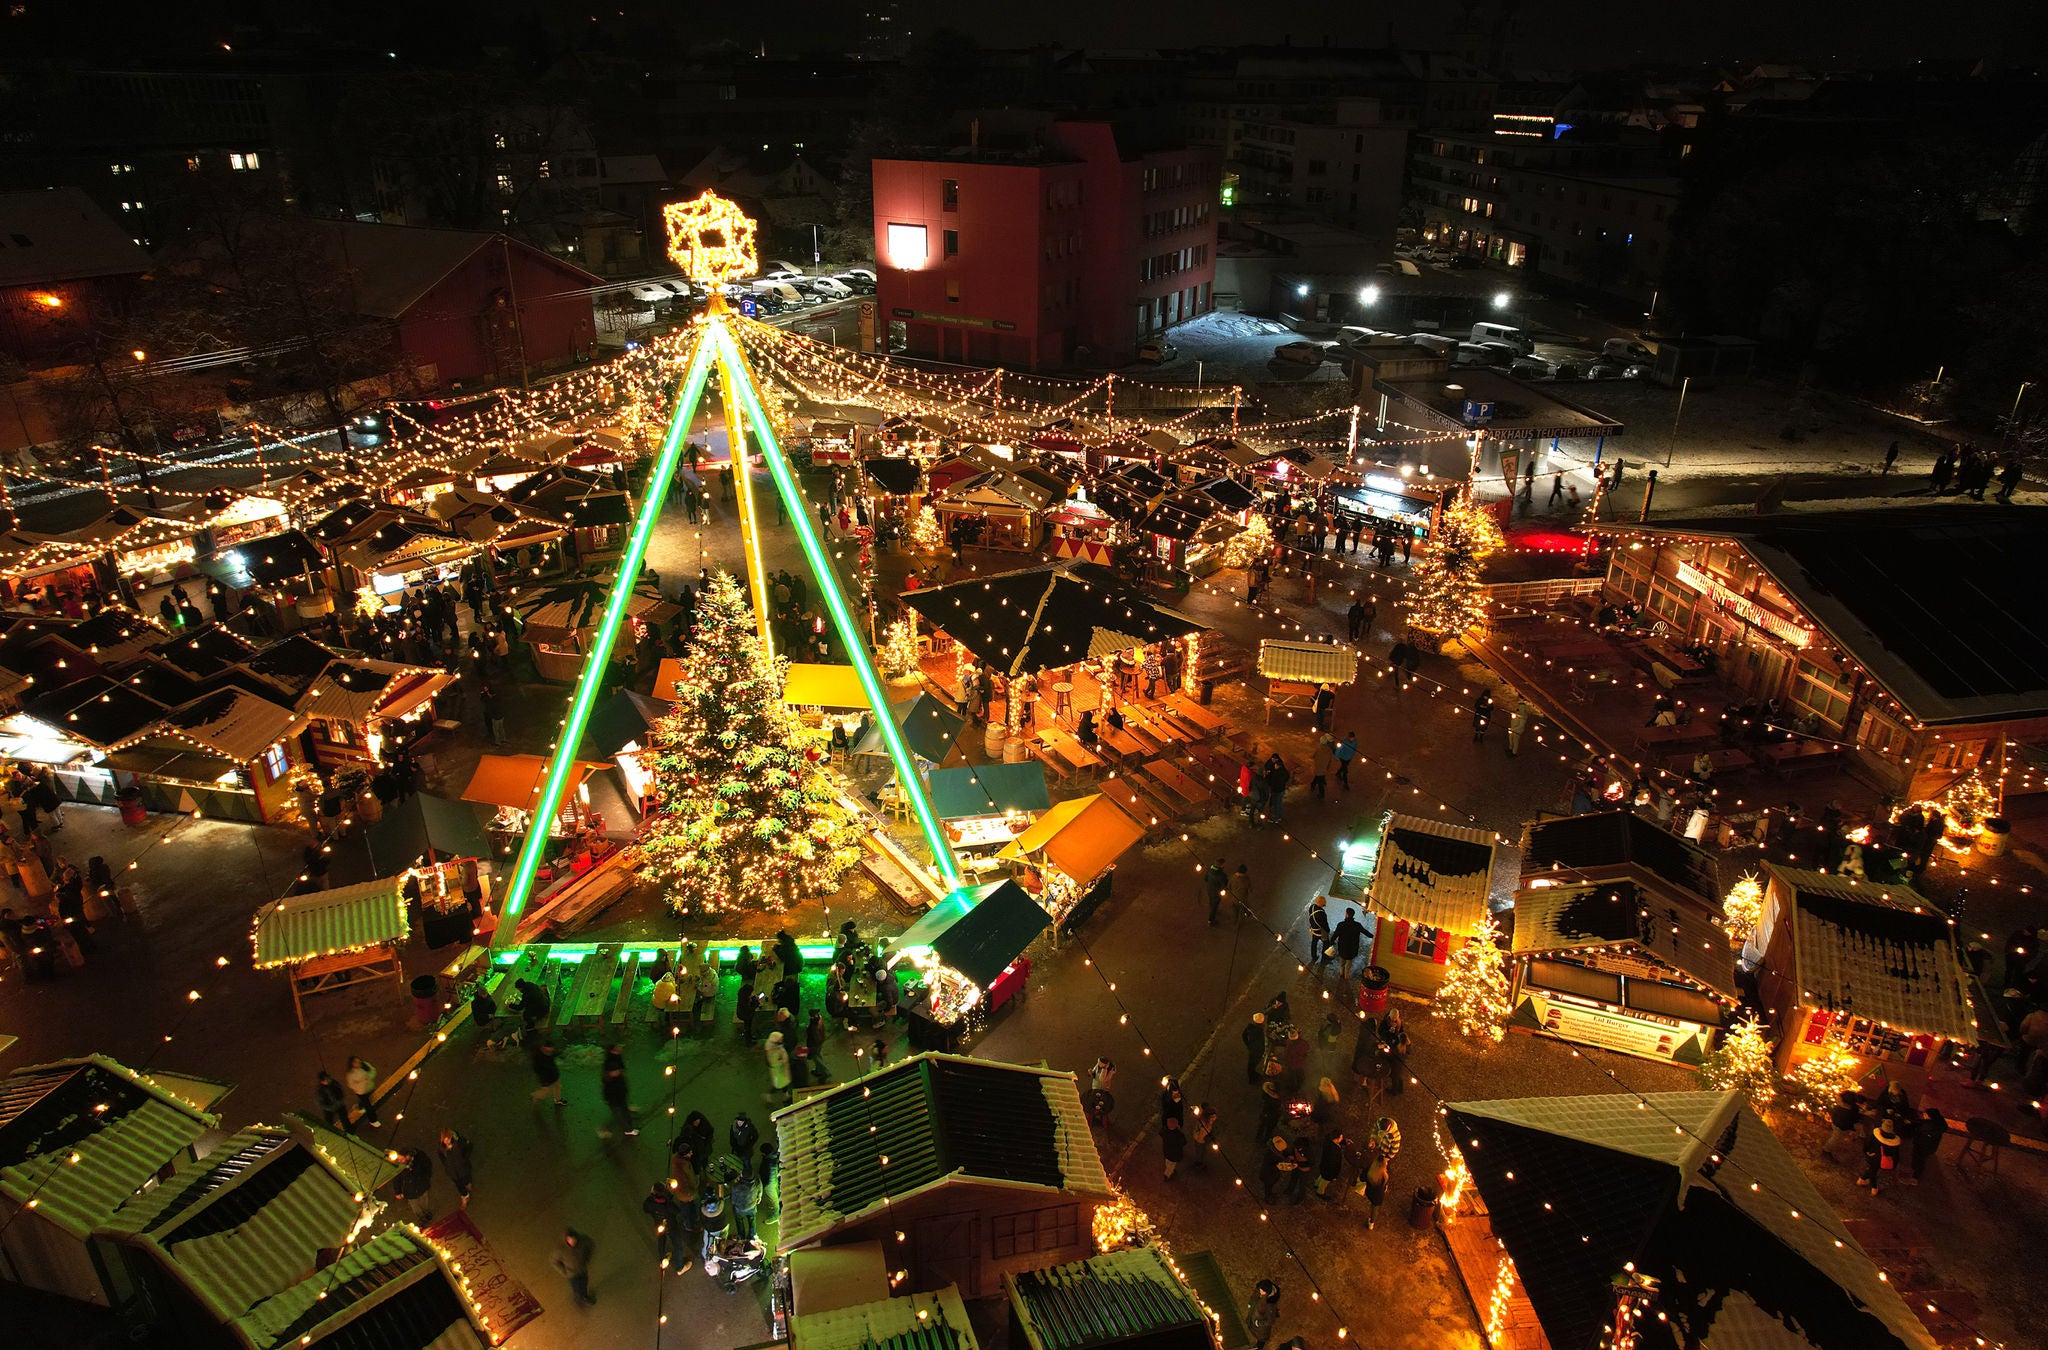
{"x": 907, "y": 780}
{"x": 599, "y": 658}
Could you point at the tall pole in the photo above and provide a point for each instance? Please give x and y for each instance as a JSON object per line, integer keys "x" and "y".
{"x": 2012, "y": 418}
{"x": 1671, "y": 445}
{"x": 1353, "y": 451}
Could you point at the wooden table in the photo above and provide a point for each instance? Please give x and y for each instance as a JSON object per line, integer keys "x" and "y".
{"x": 1177, "y": 783}
{"x": 1783, "y": 755}
{"x": 1142, "y": 806}
{"x": 1068, "y": 755}
{"x": 1194, "y": 712}
{"x": 1121, "y": 744}
{"x": 1685, "y": 665}
{"x": 1671, "y": 738}
{"x": 1726, "y": 759}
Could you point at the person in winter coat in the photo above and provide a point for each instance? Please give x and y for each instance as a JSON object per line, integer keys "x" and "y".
{"x": 778, "y": 1067}
{"x": 360, "y": 1078}
{"x": 617, "y": 1100}
{"x": 1881, "y": 1156}
{"x": 1262, "y": 1312}
{"x": 1277, "y": 777}
{"x": 1254, "y": 1038}
{"x": 1173, "y": 1144}
{"x": 666, "y": 1002}
{"x": 571, "y": 1261}
{"x": 1373, "y": 1183}
{"x": 1215, "y": 886}
{"x": 662, "y": 1206}
{"x": 415, "y": 1184}
{"x": 1349, "y": 938}
{"x": 1518, "y": 726}
{"x": 1482, "y": 715}
{"x": 745, "y": 1197}
{"x": 1273, "y": 1166}
{"x": 1269, "y": 1111}
{"x": 698, "y": 1136}
{"x": 333, "y": 1103}
{"x": 744, "y": 1138}
{"x": 1842, "y": 1119}
{"x": 1330, "y": 1167}
{"x": 547, "y": 1072}
{"x": 455, "y": 1161}
{"x": 1319, "y": 771}
{"x": 1319, "y": 932}
{"x": 1927, "y": 1133}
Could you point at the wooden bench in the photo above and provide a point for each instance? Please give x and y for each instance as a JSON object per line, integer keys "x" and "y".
{"x": 1187, "y": 708}
{"x": 1068, "y": 754}
{"x": 629, "y": 974}
{"x": 1178, "y": 784}
{"x": 1220, "y": 771}
{"x": 576, "y": 900}
{"x": 1142, "y": 807}
{"x": 587, "y": 998}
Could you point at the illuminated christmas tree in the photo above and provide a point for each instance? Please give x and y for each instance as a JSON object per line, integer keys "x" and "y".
{"x": 923, "y": 532}
{"x": 1970, "y": 801}
{"x": 1474, "y": 993}
{"x": 1446, "y": 597}
{"x": 1821, "y": 1078}
{"x": 1248, "y": 545}
{"x": 898, "y": 656}
{"x": 1744, "y": 908}
{"x": 1743, "y": 1062}
{"x": 746, "y": 814}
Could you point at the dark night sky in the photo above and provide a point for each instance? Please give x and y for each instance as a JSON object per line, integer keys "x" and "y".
{"x": 1568, "y": 33}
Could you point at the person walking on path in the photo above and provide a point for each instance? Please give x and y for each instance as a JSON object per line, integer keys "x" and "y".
{"x": 1254, "y": 1038}
{"x": 1277, "y": 779}
{"x": 1216, "y": 884}
{"x": 1324, "y": 701}
{"x": 814, "y": 1046}
{"x": 546, "y": 1072}
{"x": 1262, "y": 1313}
{"x": 415, "y": 1184}
{"x": 1354, "y": 620}
{"x": 779, "y": 1080}
{"x": 455, "y": 1151}
{"x": 745, "y": 1198}
{"x": 1319, "y": 773}
{"x": 572, "y": 1262}
{"x": 331, "y": 1100}
{"x": 1173, "y": 1144}
{"x": 1518, "y": 726}
{"x": 670, "y": 1233}
{"x": 360, "y": 1078}
{"x": 1482, "y": 715}
{"x": 1349, "y": 937}
{"x": 1891, "y": 457}
{"x": 1319, "y": 932}
{"x": 1927, "y": 1133}
{"x": 1241, "y": 889}
{"x": 1373, "y": 1185}
{"x": 1556, "y": 489}
{"x": 612, "y": 1087}
{"x": 1345, "y": 751}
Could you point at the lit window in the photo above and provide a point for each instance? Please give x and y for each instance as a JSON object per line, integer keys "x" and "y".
{"x": 542, "y": 171}
{"x": 505, "y": 184}
{"x": 498, "y": 140}
{"x": 273, "y": 762}
{"x": 192, "y": 163}
{"x": 908, "y": 247}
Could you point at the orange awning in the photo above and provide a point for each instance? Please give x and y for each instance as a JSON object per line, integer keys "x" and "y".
{"x": 516, "y": 780}
{"x": 1081, "y": 837}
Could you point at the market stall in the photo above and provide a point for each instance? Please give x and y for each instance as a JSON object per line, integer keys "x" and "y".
{"x": 1294, "y": 671}
{"x": 967, "y": 953}
{"x": 362, "y": 711}
{"x": 998, "y": 510}
{"x": 1382, "y": 503}
{"x": 513, "y": 784}
{"x": 928, "y": 727}
{"x": 561, "y": 621}
{"x": 330, "y": 940}
{"x": 985, "y": 806}
{"x": 286, "y": 569}
{"x": 1429, "y": 892}
{"x": 1069, "y": 853}
{"x": 621, "y": 729}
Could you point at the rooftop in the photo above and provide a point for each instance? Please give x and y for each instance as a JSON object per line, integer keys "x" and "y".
{"x": 1922, "y": 597}
{"x": 1043, "y": 618}
{"x": 851, "y": 1152}
{"x": 1875, "y": 951}
{"x": 1432, "y": 872}
{"x": 1520, "y": 411}
{"x": 53, "y": 235}
{"x": 1607, "y": 843}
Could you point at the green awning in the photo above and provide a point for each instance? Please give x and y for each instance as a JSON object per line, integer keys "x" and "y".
{"x": 348, "y": 918}
{"x": 978, "y": 930}
{"x": 987, "y": 789}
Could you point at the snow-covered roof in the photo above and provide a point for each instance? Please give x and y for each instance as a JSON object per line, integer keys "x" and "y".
{"x": 1433, "y": 872}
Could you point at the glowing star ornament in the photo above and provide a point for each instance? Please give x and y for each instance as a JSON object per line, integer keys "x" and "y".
{"x": 711, "y": 239}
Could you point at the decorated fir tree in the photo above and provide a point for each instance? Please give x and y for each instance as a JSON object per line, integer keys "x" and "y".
{"x": 1248, "y": 545}
{"x": 1743, "y": 907}
{"x": 745, "y": 814}
{"x": 1818, "y": 1081}
{"x": 1743, "y": 1062}
{"x": 1474, "y": 993}
{"x": 923, "y": 532}
{"x": 1446, "y": 597}
{"x": 899, "y": 649}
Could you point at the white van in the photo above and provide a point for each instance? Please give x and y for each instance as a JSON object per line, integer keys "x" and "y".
{"x": 1504, "y": 332}
{"x": 781, "y": 290}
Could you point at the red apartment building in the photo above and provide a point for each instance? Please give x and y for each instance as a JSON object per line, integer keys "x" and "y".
{"x": 1025, "y": 257}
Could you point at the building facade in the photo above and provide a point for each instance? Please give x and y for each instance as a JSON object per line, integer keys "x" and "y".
{"x": 1031, "y": 257}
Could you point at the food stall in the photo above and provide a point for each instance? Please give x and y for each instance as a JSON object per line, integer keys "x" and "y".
{"x": 513, "y": 784}
{"x": 287, "y": 569}
{"x": 247, "y": 518}
{"x": 330, "y": 940}
{"x": 621, "y": 729}
{"x": 1005, "y": 507}
{"x": 1294, "y": 671}
{"x": 1185, "y": 532}
{"x": 1069, "y": 853}
{"x": 1385, "y": 502}
{"x": 985, "y": 806}
{"x": 928, "y": 727}
{"x": 363, "y": 711}
{"x": 967, "y": 954}
{"x": 561, "y": 621}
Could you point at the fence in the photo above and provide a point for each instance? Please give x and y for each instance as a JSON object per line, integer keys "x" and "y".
{"x": 1547, "y": 592}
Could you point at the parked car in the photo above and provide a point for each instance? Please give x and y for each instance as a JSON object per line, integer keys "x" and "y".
{"x": 1157, "y": 351}
{"x": 1626, "y": 351}
{"x": 1352, "y": 334}
{"x": 857, "y": 282}
{"x": 782, "y": 267}
{"x": 1500, "y": 354}
{"x": 1533, "y": 368}
{"x": 1507, "y": 333}
{"x": 783, "y": 291}
{"x": 831, "y": 288}
{"x": 861, "y": 272}
{"x": 1303, "y": 353}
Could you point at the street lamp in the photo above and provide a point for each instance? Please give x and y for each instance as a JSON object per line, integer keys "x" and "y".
{"x": 2012, "y": 418}
{"x": 1369, "y": 295}
{"x": 1500, "y": 299}
{"x": 1672, "y": 444}
{"x": 1302, "y": 289}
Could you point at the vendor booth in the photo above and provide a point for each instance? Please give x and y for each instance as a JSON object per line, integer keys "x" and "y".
{"x": 363, "y": 711}
{"x": 286, "y": 569}
{"x": 985, "y": 806}
{"x": 1382, "y": 502}
{"x": 513, "y": 783}
{"x": 1070, "y": 852}
{"x": 329, "y": 940}
{"x": 229, "y": 754}
{"x": 1295, "y": 670}
{"x": 928, "y": 727}
{"x": 968, "y": 956}
{"x": 621, "y": 729}
{"x": 1000, "y": 510}
{"x": 561, "y": 621}
{"x": 1430, "y": 884}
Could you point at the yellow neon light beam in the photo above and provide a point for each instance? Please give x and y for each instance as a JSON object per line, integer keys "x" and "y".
{"x": 743, "y": 493}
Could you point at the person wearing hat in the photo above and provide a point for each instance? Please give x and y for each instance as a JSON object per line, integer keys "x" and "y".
{"x": 1254, "y": 1038}
{"x": 1269, "y": 1110}
{"x": 1262, "y": 1312}
{"x": 778, "y": 1067}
